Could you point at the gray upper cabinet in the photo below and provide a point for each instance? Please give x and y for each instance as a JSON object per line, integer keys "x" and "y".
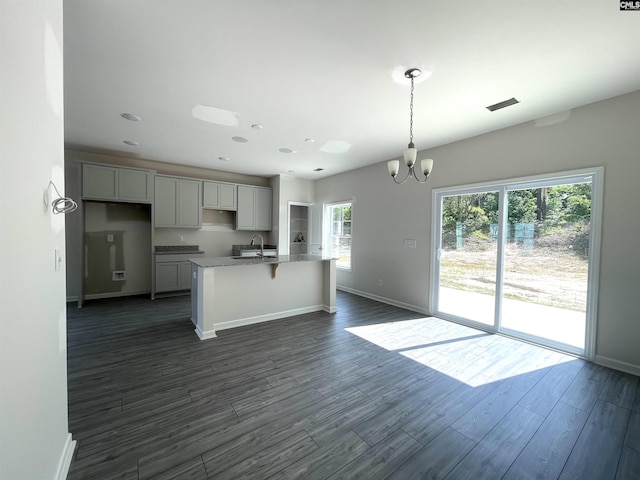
{"x": 166, "y": 201}
{"x": 99, "y": 182}
{"x": 228, "y": 197}
{"x": 263, "y": 207}
{"x": 102, "y": 182}
{"x": 219, "y": 196}
{"x": 254, "y": 208}
{"x": 177, "y": 202}
{"x": 189, "y": 208}
{"x": 135, "y": 185}
{"x": 245, "y": 218}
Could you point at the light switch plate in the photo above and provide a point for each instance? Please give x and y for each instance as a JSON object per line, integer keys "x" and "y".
{"x": 409, "y": 243}
{"x": 58, "y": 258}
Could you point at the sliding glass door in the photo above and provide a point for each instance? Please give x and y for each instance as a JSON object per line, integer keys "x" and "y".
{"x": 468, "y": 256}
{"x": 519, "y": 258}
{"x": 546, "y": 262}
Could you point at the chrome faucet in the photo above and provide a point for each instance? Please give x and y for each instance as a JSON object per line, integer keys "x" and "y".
{"x": 261, "y": 243}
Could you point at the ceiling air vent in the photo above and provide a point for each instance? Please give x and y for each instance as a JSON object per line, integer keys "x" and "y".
{"x": 318, "y": 169}
{"x": 505, "y": 103}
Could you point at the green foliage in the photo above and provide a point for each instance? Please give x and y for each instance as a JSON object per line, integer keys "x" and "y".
{"x": 522, "y": 206}
{"x": 469, "y": 210}
{"x": 569, "y": 204}
{"x": 341, "y": 220}
{"x": 548, "y": 208}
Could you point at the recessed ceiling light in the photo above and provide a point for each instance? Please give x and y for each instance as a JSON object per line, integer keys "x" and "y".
{"x": 240, "y": 139}
{"x": 131, "y": 142}
{"x": 309, "y": 140}
{"x": 256, "y": 126}
{"x": 224, "y": 159}
{"x": 131, "y": 116}
{"x": 286, "y": 150}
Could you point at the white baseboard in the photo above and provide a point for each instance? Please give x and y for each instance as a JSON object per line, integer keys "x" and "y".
{"x": 268, "y": 317}
{"x": 65, "y": 458}
{"x": 205, "y": 335}
{"x": 329, "y": 309}
{"x": 98, "y": 296}
{"x": 388, "y": 301}
{"x": 618, "y": 365}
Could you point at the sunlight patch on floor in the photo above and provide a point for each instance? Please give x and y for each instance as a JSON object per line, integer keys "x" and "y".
{"x": 466, "y": 354}
{"x": 411, "y": 333}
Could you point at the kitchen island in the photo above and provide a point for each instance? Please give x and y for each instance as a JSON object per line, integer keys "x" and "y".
{"x": 230, "y": 292}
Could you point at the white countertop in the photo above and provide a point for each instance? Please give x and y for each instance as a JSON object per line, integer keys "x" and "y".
{"x": 234, "y": 262}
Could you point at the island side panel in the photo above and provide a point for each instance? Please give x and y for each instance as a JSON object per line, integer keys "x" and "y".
{"x": 194, "y": 294}
{"x": 329, "y": 286}
{"x": 204, "y": 303}
{"x": 247, "y": 294}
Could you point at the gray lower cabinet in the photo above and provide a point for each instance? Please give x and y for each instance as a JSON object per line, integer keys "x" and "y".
{"x": 173, "y": 276}
{"x": 167, "y": 276}
{"x": 117, "y": 184}
{"x": 177, "y": 203}
{"x": 254, "y": 208}
{"x": 219, "y": 196}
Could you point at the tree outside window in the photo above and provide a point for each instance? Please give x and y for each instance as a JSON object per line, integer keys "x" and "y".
{"x": 339, "y": 234}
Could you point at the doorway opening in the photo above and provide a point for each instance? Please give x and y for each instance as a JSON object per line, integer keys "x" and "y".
{"x": 304, "y": 232}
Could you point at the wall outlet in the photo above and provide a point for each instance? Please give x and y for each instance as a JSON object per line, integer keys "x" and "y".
{"x": 379, "y": 282}
{"x": 119, "y": 275}
{"x": 181, "y": 238}
{"x": 409, "y": 243}
{"x": 109, "y": 237}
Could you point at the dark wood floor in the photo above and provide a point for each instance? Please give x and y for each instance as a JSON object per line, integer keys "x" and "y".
{"x": 371, "y": 392}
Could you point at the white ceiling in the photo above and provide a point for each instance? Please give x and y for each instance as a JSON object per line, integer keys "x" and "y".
{"x": 322, "y": 69}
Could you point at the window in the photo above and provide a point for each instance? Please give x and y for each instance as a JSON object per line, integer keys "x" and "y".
{"x": 338, "y": 237}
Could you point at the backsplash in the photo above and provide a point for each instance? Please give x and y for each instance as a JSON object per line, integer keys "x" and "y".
{"x": 214, "y": 243}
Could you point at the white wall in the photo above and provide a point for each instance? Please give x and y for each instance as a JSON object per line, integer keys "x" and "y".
{"x": 34, "y": 438}
{"x": 604, "y": 133}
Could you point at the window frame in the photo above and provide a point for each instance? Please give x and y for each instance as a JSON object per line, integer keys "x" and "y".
{"x": 596, "y": 175}
{"x": 328, "y": 237}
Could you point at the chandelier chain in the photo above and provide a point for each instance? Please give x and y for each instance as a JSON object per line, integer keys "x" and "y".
{"x": 411, "y": 115}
